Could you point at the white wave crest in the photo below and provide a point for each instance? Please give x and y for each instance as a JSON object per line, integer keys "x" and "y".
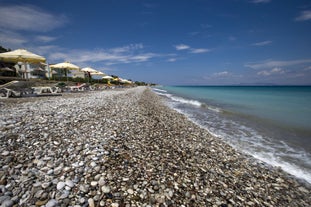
{"x": 160, "y": 90}
{"x": 186, "y": 101}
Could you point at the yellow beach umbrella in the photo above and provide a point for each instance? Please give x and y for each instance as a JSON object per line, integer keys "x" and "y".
{"x": 89, "y": 70}
{"x": 21, "y": 55}
{"x": 65, "y": 65}
{"x": 98, "y": 73}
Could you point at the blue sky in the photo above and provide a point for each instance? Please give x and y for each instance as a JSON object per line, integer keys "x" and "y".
{"x": 193, "y": 42}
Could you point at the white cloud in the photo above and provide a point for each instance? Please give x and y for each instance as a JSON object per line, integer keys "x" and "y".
{"x": 127, "y": 48}
{"x": 274, "y": 71}
{"x": 260, "y": 1}
{"x": 268, "y": 64}
{"x": 121, "y": 55}
{"x": 304, "y": 16}
{"x": 199, "y": 50}
{"x": 29, "y": 18}
{"x": 262, "y": 43}
{"x": 45, "y": 39}
{"x": 172, "y": 60}
{"x": 221, "y": 74}
{"x": 190, "y": 49}
{"x": 11, "y": 39}
{"x": 182, "y": 47}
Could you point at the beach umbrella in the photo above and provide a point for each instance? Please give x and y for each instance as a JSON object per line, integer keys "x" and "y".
{"x": 21, "y": 55}
{"x": 107, "y": 77}
{"x": 89, "y": 70}
{"x": 125, "y": 81}
{"x": 98, "y": 73}
{"x": 65, "y": 65}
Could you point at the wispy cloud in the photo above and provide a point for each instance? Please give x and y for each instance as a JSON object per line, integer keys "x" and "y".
{"x": 127, "y": 48}
{"x": 171, "y": 60}
{"x": 273, "y": 71}
{"x": 269, "y": 64}
{"x": 182, "y": 47}
{"x": 304, "y": 16}
{"x": 190, "y": 49}
{"x": 45, "y": 39}
{"x": 29, "y": 18}
{"x": 221, "y": 74}
{"x": 262, "y": 43}
{"x": 11, "y": 39}
{"x": 121, "y": 55}
{"x": 260, "y": 1}
{"x": 199, "y": 50}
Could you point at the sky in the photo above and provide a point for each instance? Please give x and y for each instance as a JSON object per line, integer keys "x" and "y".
{"x": 169, "y": 42}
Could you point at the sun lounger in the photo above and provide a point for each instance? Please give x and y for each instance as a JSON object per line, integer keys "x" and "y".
{"x": 6, "y": 93}
{"x": 24, "y": 91}
{"x": 78, "y": 88}
{"x": 46, "y": 91}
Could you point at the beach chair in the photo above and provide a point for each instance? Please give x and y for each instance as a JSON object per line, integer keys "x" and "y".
{"x": 46, "y": 91}
{"x": 6, "y": 93}
{"x": 78, "y": 88}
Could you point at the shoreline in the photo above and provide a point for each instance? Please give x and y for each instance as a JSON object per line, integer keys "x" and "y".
{"x": 123, "y": 148}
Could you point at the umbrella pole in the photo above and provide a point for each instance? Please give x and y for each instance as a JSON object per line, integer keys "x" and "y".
{"x": 26, "y": 75}
{"x": 49, "y": 71}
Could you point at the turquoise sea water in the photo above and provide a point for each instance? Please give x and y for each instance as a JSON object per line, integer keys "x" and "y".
{"x": 271, "y": 123}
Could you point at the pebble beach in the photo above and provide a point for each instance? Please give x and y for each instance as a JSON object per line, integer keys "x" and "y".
{"x": 122, "y": 148}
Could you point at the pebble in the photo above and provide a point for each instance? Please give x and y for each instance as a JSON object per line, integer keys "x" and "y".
{"x": 60, "y": 185}
{"x": 51, "y": 203}
{"x": 106, "y": 189}
{"x": 5, "y": 153}
{"x": 69, "y": 183}
{"x": 7, "y": 203}
{"x": 45, "y": 185}
{"x": 94, "y": 183}
{"x": 130, "y": 191}
{"x": 91, "y": 202}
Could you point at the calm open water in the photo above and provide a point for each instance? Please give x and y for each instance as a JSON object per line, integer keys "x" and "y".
{"x": 271, "y": 123}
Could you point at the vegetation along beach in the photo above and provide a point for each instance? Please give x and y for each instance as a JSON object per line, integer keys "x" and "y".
{"x": 125, "y": 147}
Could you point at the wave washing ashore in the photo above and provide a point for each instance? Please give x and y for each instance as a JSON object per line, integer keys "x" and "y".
{"x": 126, "y": 148}
{"x": 273, "y": 124}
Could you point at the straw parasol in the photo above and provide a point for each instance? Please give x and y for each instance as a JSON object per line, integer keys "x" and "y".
{"x": 107, "y": 77}
{"x": 98, "y": 73}
{"x": 89, "y": 70}
{"x": 65, "y": 65}
{"x": 21, "y": 55}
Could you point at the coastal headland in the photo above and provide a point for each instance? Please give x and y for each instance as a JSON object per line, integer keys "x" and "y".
{"x": 125, "y": 147}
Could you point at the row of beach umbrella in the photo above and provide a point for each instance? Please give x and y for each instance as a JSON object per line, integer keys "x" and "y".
{"x": 24, "y": 56}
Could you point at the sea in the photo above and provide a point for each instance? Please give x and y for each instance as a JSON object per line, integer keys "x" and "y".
{"x": 270, "y": 123}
